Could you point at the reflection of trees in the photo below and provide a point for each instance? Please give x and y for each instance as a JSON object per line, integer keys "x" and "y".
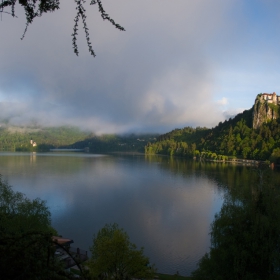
{"x": 245, "y": 236}
{"x": 225, "y": 175}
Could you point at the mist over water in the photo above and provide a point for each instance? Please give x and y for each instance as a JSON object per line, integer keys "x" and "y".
{"x": 165, "y": 205}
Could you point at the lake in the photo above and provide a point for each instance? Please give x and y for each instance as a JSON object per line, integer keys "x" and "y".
{"x": 164, "y": 204}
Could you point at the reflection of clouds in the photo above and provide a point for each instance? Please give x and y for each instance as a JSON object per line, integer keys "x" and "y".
{"x": 167, "y": 213}
{"x": 176, "y": 225}
{"x": 57, "y": 203}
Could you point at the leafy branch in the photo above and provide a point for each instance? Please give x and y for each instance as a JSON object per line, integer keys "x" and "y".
{"x": 36, "y": 8}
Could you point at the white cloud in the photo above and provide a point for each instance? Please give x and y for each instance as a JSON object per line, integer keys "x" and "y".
{"x": 223, "y": 101}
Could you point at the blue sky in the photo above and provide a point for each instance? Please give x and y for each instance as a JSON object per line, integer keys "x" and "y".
{"x": 178, "y": 63}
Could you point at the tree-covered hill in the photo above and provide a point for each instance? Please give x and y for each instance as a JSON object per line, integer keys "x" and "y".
{"x": 19, "y": 138}
{"x": 115, "y": 143}
{"x": 232, "y": 138}
{"x": 38, "y": 138}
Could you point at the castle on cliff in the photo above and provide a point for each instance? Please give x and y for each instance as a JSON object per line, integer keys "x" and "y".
{"x": 262, "y": 112}
{"x": 271, "y": 98}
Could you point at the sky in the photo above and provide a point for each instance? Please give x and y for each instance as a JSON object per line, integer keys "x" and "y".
{"x": 179, "y": 63}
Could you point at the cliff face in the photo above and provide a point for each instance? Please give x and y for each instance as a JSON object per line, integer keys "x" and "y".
{"x": 263, "y": 111}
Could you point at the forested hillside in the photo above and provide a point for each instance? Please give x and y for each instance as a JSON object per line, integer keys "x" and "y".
{"x": 43, "y": 139}
{"x": 232, "y": 138}
{"x": 113, "y": 143}
{"x": 18, "y": 138}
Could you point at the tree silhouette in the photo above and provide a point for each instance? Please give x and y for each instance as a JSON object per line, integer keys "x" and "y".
{"x": 36, "y": 8}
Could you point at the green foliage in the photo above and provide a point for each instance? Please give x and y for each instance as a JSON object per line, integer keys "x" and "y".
{"x": 26, "y": 246}
{"x": 115, "y": 143}
{"x": 232, "y": 138}
{"x": 18, "y": 138}
{"x": 274, "y": 107}
{"x": 46, "y": 138}
{"x": 178, "y": 142}
{"x": 115, "y": 257}
{"x": 275, "y": 156}
{"x": 19, "y": 214}
{"x": 245, "y": 236}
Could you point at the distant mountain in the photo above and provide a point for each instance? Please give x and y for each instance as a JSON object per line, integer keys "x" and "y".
{"x": 253, "y": 134}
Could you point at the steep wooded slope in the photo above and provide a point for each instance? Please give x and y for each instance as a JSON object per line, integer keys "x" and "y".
{"x": 235, "y": 137}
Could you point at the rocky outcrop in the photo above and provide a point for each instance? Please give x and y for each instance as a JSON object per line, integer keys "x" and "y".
{"x": 263, "y": 111}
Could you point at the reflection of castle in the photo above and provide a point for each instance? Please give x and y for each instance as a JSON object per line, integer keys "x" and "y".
{"x": 271, "y": 98}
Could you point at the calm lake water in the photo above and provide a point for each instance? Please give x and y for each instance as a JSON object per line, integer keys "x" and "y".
{"x": 165, "y": 205}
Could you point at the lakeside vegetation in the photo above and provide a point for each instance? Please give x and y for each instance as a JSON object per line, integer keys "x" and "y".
{"x": 18, "y": 138}
{"x": 115, "y": 143}
{"x": 28, "y": 245}
{"x": 244, "y": 234}
{"x": 46, "y": 138}
{"x": 233, "y": 138}
{"x": 245, "y": 238}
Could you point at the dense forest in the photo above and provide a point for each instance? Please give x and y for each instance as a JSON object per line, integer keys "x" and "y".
{"x": 42, "y": 139}
{"x": 115, "y": 143}
{"x": 233, "y": 138}
{"x": 38, "y": 138}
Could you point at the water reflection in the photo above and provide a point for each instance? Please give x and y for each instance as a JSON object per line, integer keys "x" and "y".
{"x": 245, "y": 233}
{"x": 164, "y": 205}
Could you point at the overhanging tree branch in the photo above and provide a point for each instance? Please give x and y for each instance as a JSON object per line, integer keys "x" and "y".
{"x": 36, "y": 8}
